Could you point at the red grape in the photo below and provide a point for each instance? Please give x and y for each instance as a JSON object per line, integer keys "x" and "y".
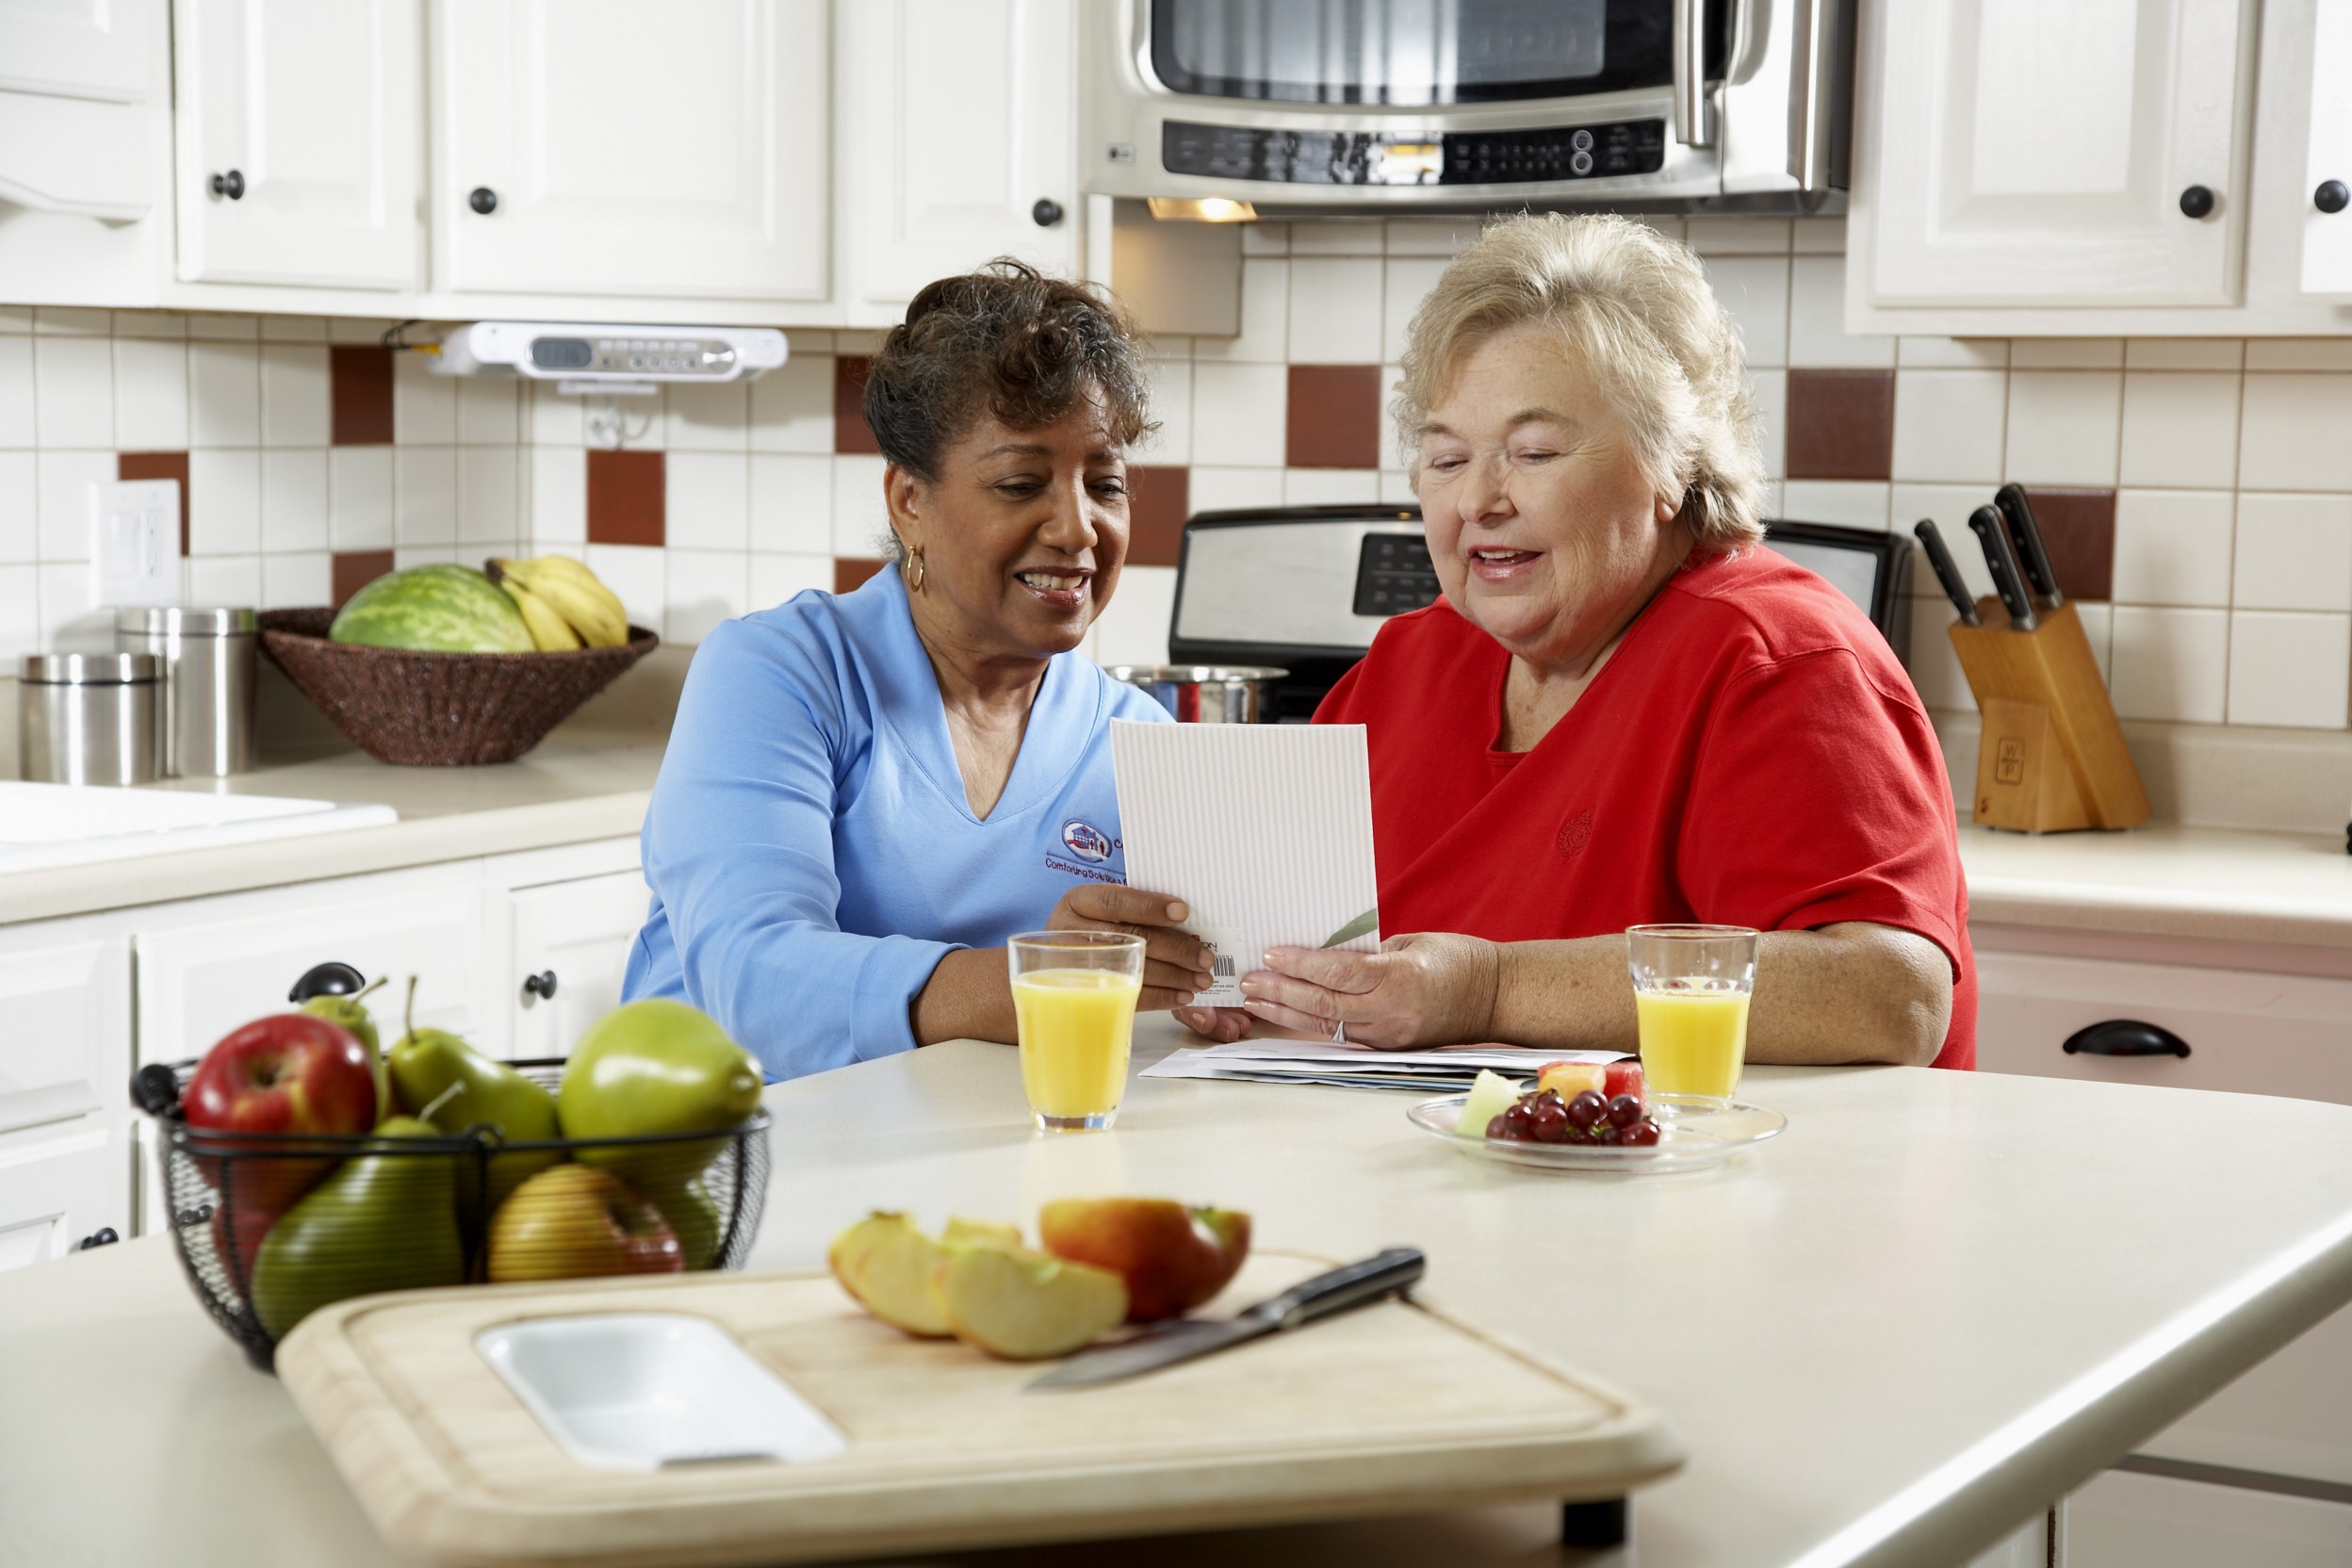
{"x": 1549, "y": 1121}
{"x": 1501, "y": 1131}
{"x": 1587, "y": 1109}
{"x": 1641, "y": 1134}
{"x": 1623, "y": 1111}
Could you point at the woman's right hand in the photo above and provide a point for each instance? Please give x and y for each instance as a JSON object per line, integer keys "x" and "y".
{"x": 1175, "y": 962}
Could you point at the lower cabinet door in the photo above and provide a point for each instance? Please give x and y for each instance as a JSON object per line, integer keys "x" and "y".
{"x": 58, "y": 1190}
{"x": 2128, "y": 1519}
{"x": 570, "y": 947}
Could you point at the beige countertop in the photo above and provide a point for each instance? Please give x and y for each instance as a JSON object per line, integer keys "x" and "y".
{"x": 2223, "y": 884}
{"x": 1936, "y": 1304}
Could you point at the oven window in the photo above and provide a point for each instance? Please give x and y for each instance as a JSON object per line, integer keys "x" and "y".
{"x": 1412, "y": 52}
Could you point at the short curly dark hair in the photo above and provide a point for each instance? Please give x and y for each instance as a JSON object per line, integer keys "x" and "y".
{"x": 1006, "y": 342}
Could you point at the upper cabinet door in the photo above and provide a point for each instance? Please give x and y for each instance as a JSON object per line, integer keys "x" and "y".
{"x": 77, "y": 48}
{"x": 964, "y": 143}
{"x": 2327, "y": 169}
{"x": 615, "y": 147}
{"x": 299, "y": 142}
{"x": 2090, "y": 152}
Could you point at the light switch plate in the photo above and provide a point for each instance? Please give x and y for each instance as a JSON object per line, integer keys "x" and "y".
{"x": 135, "y": 541}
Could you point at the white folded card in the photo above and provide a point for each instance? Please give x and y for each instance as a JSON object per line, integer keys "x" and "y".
{"x": 1265, "y": 830}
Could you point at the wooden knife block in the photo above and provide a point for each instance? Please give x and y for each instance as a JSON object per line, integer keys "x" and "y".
{"x": 2053, "y": 756}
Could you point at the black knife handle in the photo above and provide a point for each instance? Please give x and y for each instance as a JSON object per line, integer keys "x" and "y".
{"x": 1947, "y": 570}
{"x": 2000, "y": 558}
{"x": 2026, "y": 532}
{"x": 1350, "y": 1286}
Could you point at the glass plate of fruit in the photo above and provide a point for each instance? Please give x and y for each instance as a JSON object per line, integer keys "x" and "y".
{"x": 1565, "y": 1123}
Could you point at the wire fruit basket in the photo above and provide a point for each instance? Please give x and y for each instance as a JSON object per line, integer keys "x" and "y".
{"x": 271, "y": 1225}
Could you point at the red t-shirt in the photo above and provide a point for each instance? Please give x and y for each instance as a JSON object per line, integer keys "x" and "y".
{"x": 1752, "y": 754}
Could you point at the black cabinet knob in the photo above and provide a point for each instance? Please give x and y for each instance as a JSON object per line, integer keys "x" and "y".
{"x": 327, "y": 979}
{"x": 1046, "y": 213}
{"x": 483, "y": 200}
{"x": 231, "y": 185}
{"x": 155, "y": 1090}
{"x": 2332, "y": 196}
{"x": 2125, "y": 1037}
{"x": 2197, "y": 201}
{"x": 103, "y": 1236}
{"x": 540, "y": 984}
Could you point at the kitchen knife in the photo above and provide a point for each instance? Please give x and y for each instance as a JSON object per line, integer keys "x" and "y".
{"x": 2027, "y": 534}
{"x": 1352, "y": 1285}
{"x": 1947, "y": 570}
{"x": 2000, "y": 556}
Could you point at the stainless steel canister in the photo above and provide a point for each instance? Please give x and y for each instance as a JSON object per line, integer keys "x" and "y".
{"x": 209, "y": 659}
{"x": 1206, "y": 694}
{"x": 89, "y": 718}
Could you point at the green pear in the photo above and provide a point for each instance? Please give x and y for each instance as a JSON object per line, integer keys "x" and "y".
{"x": 438, "y": 1077}
{"x": 351, "y": 1013}
{"x": 693, "y": 1217}
{"x": 379, "y": 1222}
{"x": 656, "y": 1066}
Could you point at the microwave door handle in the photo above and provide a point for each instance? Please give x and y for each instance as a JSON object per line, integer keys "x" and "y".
{"x": 1811, "y": 35}
{"x": 1692, "y": 127}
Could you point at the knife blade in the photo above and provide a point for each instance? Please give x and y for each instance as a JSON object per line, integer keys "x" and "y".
{"x": 2032, "y": 550}
{"x": 1352, "y": 1284}
{"x": 2001, "y": 557}
{"x": 1947, "y": 570}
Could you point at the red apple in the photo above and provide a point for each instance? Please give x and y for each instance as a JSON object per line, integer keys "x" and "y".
{"x": 1622, "y": 1076}
{"x": 287, "y": 1073}
{"x": 575, "y": 1222}
{"x": 1173, "y": 1258}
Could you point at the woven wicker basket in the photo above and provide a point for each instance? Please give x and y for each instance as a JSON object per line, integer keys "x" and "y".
{"x": 439, "y": 709}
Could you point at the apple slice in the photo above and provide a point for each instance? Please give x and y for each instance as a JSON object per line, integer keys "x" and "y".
{"x": 1570, "y": 1079}
{"x": 1171, "y": 1257}
{"x": 1491, "y": 1095}
{"x": 1023, "y": 1305}
{"x": 885, "y": 1263}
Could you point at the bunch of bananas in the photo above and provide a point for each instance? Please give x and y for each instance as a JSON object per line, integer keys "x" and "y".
{"x": 563, "y": 603}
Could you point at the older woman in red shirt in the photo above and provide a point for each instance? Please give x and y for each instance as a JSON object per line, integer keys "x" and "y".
{"x": 1625, "y": 709}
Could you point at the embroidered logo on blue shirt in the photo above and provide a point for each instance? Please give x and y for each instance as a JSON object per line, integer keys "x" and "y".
{"x": 1086, "y": 840}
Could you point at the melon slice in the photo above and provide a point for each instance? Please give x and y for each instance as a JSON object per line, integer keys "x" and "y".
{"x": 1491, "y": 1095}
{"x": 1570, "y": 1079}
{"x": 1023, "y": 1305}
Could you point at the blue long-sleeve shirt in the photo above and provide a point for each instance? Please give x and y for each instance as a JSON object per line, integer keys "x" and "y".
{"x": 810, "y": 849}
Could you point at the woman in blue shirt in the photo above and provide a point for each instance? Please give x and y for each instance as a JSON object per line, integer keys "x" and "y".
{"x": 865, "y": 794}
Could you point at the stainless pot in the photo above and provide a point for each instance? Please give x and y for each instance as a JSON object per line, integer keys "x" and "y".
{"x": 208, "y": 683}
{"x": 89, "y": 718}
{"x": 1206, "y": 694}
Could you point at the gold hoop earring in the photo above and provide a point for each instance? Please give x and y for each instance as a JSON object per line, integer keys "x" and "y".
{"x": 911, "y": 568}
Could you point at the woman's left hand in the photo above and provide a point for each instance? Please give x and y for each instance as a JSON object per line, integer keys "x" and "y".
{"x": 1430, "y": 987}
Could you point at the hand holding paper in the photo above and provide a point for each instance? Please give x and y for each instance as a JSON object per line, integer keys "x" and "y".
{"x": 1428, "y": 989}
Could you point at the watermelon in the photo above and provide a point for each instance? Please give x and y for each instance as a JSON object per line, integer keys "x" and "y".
{"x": 437, "y": 609}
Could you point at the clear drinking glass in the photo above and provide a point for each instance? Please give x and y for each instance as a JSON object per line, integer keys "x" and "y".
{"x": 1074, "y": 995}
{"x": 1690, "y": 990}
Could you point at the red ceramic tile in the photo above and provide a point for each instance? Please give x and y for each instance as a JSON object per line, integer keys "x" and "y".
{"x": 355, "y": 570}
{"x": 849, "y": 571}
{"x": 359, "y": 388}
{"x": 850, "y": 432}
{"x": 1841, "y": 424}
{"x": 1158, "y": 502}
{"x": 159, "y": 465}
{"x": 1335, "y": 417}
{"x": 625, "y": 499}
{"x": 2079, "y": 526}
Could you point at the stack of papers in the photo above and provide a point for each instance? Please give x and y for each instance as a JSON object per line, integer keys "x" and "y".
{"x": 1441, "y": 1071}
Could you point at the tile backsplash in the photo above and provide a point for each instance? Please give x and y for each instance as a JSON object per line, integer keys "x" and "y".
{"x": 2197, "y": 492}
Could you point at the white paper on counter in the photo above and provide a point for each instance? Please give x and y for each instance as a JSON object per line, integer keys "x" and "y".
{"x": 1265, "y": 830}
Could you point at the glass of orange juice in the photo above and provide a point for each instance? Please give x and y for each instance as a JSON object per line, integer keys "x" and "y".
{"x": 1690, "y": 990}
{"x": 1074, "y": 996}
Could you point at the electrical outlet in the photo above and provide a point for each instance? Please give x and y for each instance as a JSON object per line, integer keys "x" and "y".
{"x": 135, "y": 542}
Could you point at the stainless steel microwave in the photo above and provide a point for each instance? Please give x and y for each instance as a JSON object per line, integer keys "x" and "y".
{"x": 1321, "y": 107}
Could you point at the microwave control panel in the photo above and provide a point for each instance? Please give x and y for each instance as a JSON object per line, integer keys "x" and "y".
{"x": 1394, "y": 575}
{"x": 1547, "y": 156}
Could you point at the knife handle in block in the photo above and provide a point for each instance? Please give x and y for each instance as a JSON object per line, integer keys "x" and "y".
{"x": 1350, "y": 1286}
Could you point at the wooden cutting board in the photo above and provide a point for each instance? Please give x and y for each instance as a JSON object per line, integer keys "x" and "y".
{"x": 1391, "y": 1409}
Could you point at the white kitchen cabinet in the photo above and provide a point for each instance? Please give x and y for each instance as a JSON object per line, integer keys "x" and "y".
{"x": 570, "y": 943}
{"x": 299, "y": 142}
{"x": 2328, "y": 234}
{"x": 65, "y": 992}
{"x": 56, "y": 1192}
{"x": 959, "y": 141}
{"x": 604, "y": 146}
{"x": 77, "y": 48}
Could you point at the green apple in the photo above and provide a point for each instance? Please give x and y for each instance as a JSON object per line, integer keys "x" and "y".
{"x": 351, "y": 1013}
{"x": 379, "y": 1222}
{"x": 574, "y": 1222}
{"x": 693, "y": 1214}
{"x": 656, "y": 1066}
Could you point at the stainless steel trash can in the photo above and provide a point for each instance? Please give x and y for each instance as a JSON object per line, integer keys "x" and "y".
{"x": 209, "y": 669}
{"x": 89, "y": 718}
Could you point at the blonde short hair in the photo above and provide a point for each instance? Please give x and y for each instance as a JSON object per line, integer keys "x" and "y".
{"x": 1635, "y": 308}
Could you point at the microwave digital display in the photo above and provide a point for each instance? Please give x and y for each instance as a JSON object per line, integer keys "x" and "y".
{"x": 1545, "y": 155}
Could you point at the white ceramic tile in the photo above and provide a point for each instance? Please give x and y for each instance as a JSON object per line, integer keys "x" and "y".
{"x": 487, "y": 411}
{"x": 1431, "y": 236}
{"x": 637, "y": 573}
{"x": 1132, "y": 627}
{"x": 1173, "y": 346}
{"x": 1172, "y": 410}
{"x": 2170, "y": 663}
{"x": 1393, "y": 454}
{"x": 2292, "y": 435}
{"x": 64, "y": 480}
{"x": 861, "y": 520}
{"x": 489, "y": 495}
{"x": 1266, "y": 239}
{"x": 71, "y": 618}
{"x": 1217, "y": 489}
{"x": 707, "y": 502}
{"x": 1769, "y": 391}
{"x": 223, "y": 327}
{"x": 861, "y": 344}
{"x": 791, "y": 504}
{"x": 2298, "y": 354}
{"x": 2172, "y": 547}
{"x": 74, "y": 391}
{"x": 1335, "y": 310}
{"x": 1240, "y": 414}
{"x": 1407, "y": 283}
{"x": 2064, "y": 426}
{"x": 150, "y": 395}
{"x": 1264, "y": 337}
{"x": 1817, "y": 237}
{"x": 1852, "y": 503}
{"x": 231, "y": 579}
{"x": 1396, "y": 489}
{"x": 20, "y": 611}
{"x": 359, "y": 497}
{"x": 223, "y": 502}
{"x": 558, "y": 507}
{"x": 1754, "y": 289}
{"x": 223, "y": 393}
{"x": 1330, "y": 486}
{"x": 358, "y": 330}
{"x": 1817, "y": 319}
{"x": 290, "y": 581}
{"x": 71, "y": 321}
{"x": 2067, "y": 353}
{"x": 2294, "y": 552}
{"x": 1721, "y": 237}
{"x": 296, "y": 402}
{"x": 419, "y": 555}
{"x": 1934, "y": 668}
{"x": 2184, "y": 354}
{"x": 424, "y": 496}
{"x": 19, "y": 508}
{"x": 552, "y": 418}
{"x": 714, "y": 419}
{"x": 293, "y": 329}
{"x": 1949, "y": 425}
{"x": 17, "y": 429}
{"x": 151, "y": 323}
{"x": 424, "y": 405}
{"x": 1338, "y": 237}
{"x": 16, "y": 319}
{"x": 777, "y": 578}
{"x": 1953, "y": 353}
{"x": 2180, "y": 428}
{"x": 1948, "y": 506}
{"x": 2290, "y": 668}
{"x": 703, "y": 588}
{"x": 1774, "y": 491}
{"x": 294, "y": 502}
{"x": 792, "y": 406}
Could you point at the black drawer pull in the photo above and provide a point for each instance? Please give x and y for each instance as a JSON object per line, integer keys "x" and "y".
{"x": 327, "y": 979}
{"x": 2125, "y": 1037}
